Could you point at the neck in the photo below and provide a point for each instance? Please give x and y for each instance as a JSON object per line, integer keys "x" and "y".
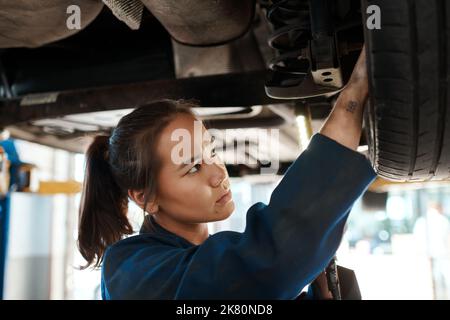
{"x": 195, "y": 233}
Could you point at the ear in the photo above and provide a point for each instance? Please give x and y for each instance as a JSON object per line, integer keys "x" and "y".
{"x": 138, "y": 197}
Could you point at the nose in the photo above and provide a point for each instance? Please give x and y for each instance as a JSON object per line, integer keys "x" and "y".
{"x": 218, "y": 174}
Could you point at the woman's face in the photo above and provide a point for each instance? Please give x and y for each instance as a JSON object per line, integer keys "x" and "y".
{"x": 189, "y": 192}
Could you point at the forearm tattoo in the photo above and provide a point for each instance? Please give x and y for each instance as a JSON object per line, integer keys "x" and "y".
{"x": 351, "y": 107}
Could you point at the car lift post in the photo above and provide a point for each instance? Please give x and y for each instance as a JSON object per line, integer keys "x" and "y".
{"x": 4, "y": 223}
{"x": 13, "y": 158}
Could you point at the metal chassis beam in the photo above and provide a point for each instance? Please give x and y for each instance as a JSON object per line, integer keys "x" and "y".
{"x": 225, "y": 90}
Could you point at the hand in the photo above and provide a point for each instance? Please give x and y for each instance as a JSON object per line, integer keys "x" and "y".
{"x": 321, "y": 285}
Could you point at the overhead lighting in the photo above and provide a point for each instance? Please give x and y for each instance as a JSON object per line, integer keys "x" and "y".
{"x": 303, "y": 131}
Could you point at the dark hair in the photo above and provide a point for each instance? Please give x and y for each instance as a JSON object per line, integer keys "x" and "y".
{"x": 115, "y": 164}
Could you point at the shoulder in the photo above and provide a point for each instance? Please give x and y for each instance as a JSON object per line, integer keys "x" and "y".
{"x": 133, "y": 265}
{"x": 127, "y": 248}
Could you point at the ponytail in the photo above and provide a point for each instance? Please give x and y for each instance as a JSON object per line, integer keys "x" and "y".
{"x": 125, "y": 161}
{"x": 104, "y": 205}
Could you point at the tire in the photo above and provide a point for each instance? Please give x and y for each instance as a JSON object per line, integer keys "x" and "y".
{"x": 408, "y": 113}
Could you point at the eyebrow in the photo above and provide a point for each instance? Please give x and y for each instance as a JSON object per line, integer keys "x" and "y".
{"x": 194, "y": 158}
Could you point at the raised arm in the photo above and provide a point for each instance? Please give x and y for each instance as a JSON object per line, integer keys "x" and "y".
{"x": 344, "y": 123}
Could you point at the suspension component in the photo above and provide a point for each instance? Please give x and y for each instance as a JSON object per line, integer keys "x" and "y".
{"x": 307, "y": 62}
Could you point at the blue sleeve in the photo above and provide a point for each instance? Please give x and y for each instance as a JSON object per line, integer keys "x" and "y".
{"x": 286, "y": 243}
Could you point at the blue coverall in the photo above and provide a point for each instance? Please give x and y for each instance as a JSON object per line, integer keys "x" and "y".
{"x": 285, "y": 246}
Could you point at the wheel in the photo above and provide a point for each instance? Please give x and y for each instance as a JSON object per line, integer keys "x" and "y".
{"x": 408, "y": 113}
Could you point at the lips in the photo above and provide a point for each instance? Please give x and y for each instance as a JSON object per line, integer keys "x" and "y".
{"x": 224, "y": 198}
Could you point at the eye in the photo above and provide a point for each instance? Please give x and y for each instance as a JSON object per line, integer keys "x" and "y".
{"x": 195, "y": 167}
{"x": 199, "y": 165}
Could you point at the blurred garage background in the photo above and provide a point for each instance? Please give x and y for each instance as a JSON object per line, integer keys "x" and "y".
{"x": 397, "y": 239}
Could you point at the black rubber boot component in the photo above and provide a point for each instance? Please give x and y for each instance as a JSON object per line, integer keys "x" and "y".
{"x": 292, "y": 31}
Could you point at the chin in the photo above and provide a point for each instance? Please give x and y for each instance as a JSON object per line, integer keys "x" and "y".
{"x": 225, "y": 212}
